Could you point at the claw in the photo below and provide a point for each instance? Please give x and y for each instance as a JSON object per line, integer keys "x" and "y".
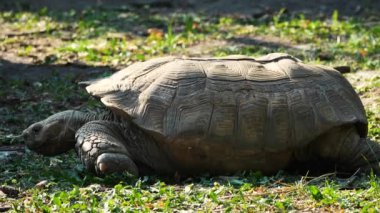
{"x": 115, "y": 162}
{"x": 103, "y": 167}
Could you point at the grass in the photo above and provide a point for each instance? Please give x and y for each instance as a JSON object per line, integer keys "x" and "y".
{"x": 120, "y": 37}
{"x": 330, "y": 41}
{"x": 114, "y": 37}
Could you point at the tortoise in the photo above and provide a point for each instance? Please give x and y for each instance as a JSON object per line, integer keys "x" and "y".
{"x": 215, "y": 115}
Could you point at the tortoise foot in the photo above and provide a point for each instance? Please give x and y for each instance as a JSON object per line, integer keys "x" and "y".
{"x": 108, "y": 163}
{"x": 102, "y": 150}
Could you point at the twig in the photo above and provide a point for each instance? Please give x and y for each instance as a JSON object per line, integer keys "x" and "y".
{"x": 262, "y": 193}
{"x": 16, "y": 100}
{"x": 320, "y": 177}
{"x": 10, "y": 35}
{"x": 18, "y": 148}
{"x": 350, "y": 180}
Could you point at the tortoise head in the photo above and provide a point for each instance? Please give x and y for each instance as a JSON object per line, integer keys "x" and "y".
{"x": 52, "y": 136}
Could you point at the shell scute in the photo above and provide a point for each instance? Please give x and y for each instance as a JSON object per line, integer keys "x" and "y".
{"x": 270, "y": 103}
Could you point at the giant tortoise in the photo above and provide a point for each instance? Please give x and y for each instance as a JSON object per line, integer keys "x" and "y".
{"x": 216, "y": 115}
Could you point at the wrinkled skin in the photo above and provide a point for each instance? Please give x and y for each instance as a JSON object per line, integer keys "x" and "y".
{"x": 54, "y": 135}
{"x": 102, "y": 143}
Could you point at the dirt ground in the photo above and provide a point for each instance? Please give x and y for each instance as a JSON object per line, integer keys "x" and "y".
{"x": 241, "y": 8}
{"x": 13, "y": 66}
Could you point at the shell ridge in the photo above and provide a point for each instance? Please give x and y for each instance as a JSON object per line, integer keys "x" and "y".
{"x": 149, "y": 69}
{"x": 261, "y": 61}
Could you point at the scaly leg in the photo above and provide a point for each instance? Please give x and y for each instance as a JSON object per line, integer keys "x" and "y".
{"x": 344, "y": 147}
{"x": 102, "y": 150}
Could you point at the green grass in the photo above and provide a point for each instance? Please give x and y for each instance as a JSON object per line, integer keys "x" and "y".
{"x": 118, "y": 38}
{"x": 332, "y": 40}
{"x": 69, "y": 188}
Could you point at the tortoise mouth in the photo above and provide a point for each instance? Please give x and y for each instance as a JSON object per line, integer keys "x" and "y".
{"x": 45, "y": 147}
{"x": 40, "y": 148}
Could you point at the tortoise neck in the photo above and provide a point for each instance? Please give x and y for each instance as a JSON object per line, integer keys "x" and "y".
{"x": 108, "y": 115}
{"x": 76, "y": 119}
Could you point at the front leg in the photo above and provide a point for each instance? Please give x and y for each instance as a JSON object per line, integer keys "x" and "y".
{"x": 102, "y": 150}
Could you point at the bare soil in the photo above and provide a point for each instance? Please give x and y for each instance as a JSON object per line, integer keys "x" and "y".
{"x": 256, "y": 8}
{"x": 360, "y": 80}
{"x": 14, "y": 65}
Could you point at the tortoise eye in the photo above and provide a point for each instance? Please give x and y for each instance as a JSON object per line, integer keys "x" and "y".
{"x": 36, "y": 128}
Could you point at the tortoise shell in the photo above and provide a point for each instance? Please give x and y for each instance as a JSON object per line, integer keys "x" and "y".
{"x": 267, "y": 104}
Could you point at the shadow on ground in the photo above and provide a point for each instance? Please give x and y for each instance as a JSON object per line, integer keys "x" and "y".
{"x": 249, "y": 8}
{"x": 32, "y": 73}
